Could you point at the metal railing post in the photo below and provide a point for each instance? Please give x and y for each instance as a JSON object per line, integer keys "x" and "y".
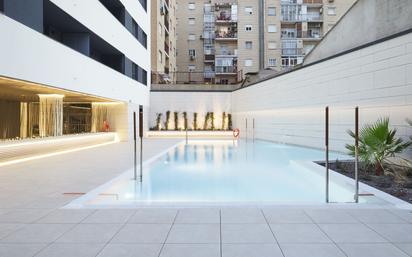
{"x": 327, "y": 153}
{"x": 186, "y": 136}
{"x": 253, "y": 131}
{"x": 134, "y": 145}
{"x": 357, "y": 154}
{"x": 246, "y": 129}
{"x": 141, "y": 141}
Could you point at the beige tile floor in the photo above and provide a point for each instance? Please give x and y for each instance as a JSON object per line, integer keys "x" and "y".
{"x": 32, "y": 222}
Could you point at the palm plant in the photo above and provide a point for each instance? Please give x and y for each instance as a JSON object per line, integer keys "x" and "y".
{"x": 185, "y": 120}
{"x": 167, "y": 120}
{"x": 205, "y": 124}
{"x": 176, "y": 119}
{"x": 229, "y": 121}
{"x": 212, "y": 119}
{"x": 158, "y": 121}
{"x": 224, "y": 121}
{"x": 195, "y": 121}
{"x": 377, "y": 143}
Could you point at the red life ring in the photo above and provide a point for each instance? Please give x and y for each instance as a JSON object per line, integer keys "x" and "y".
{"x": 236, "y": 132}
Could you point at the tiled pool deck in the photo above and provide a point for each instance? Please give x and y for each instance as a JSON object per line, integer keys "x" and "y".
{"x": 32, "y": 222}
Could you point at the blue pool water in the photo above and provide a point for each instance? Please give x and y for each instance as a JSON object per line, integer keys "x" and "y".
{"x": 227, "y": 172}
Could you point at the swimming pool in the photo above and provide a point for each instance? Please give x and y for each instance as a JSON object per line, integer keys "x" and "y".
{"x": 226, "y": 172}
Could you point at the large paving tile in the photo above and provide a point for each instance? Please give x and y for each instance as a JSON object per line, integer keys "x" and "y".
{"x": 306, "y": 250}
{"x": 249, "y": 250}
{"x": 372, "y": 250}
{"x": 131, "y": 250}
{"x": 299, "y": 233}
{"x": 404, "y": 214}
{"x": 20, "y": 250}
{"x": 71, "y": 250}
{"x": 37, "y": 233}
{"x": 375, "y": 216}
{"x": 242, "y": 215}
{"x": 65, "y": 216}
{"x": 23, "y": 215}
{"x": 7, "y": 228}
{"x": 194, "y": 233}
{"x": 109, "y": 216}
{"x": 351, "y": 233}
{"x": 247, "y": 233}
{"x": 190, "y": 250}
{"x": 405, "y": 247}
{"x": 197, "y": 216}
{"x": 400, "y": 233}
{"x": 90, "y": 233}
{"x": 330, "y": 216}
{"x": 277, "y": 215}
{"x": 142, "y": 233}
{"x": 154, "y": 216}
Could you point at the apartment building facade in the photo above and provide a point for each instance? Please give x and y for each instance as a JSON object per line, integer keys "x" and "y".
{"x": 220, "y": 41}
{"x": 163, "y": 40}
{"x": 71, "y": 67}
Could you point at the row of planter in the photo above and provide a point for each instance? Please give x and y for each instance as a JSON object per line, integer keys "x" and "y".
{"x": 208, "y": 122}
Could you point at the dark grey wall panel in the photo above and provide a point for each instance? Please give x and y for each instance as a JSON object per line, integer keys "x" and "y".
{"x": 28, "y": 12}
{"x": 77, "y": 41}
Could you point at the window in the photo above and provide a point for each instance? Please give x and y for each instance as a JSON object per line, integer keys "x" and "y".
{"x": 191, "y": 68}
{"x": 192, "y": 53}
{"x": 249, "y": 10}
{"x": 248, "y": 62}
{"x": 272, "y": 45}
{"x": 191, "y": 21}
{"x": 192, "y": 37}
{"x": 272, "y": 28}
{"x": 248, "y": 44}
{"x": 331, "y": 10}
{"x": 191, "y": 6}
{"x": 144, "y": 4}
{"x": 248, "y": 27}
{"x": 139, "y": 74}
{"x": 272, "y": 62}
{"x": 272, "y": 11}
{"x": 139, "y": 34}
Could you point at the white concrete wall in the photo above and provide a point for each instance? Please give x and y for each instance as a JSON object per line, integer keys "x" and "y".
{"x": 29, "y": 55}
{"x": 290, "y": 108}
{"x": 190, "y": 102}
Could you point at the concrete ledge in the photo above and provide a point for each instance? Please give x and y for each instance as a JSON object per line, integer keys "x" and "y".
{"x": 21, "y": 149}
{"x": 191, "y": 134}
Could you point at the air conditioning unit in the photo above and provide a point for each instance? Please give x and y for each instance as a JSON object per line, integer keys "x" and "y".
{"x": 192, "y": 57}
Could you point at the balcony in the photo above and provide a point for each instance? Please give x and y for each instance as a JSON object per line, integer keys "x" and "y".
{"x": 231, "y": 53}
{"x": 167, "y": 48}
{"x": 292, "y": 52}
{"x": 226, "y": 70}
{"x": 225, "y": 35}
{"x": 224, "y": 17}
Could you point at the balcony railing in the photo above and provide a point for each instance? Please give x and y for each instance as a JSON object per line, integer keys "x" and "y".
{"x": 226, "y": 35}
{"x": 292, "y": 51}
{"x": 195, "y": 77}
{"x": 226, "y": 69}
{"x": 167, "y": 48}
